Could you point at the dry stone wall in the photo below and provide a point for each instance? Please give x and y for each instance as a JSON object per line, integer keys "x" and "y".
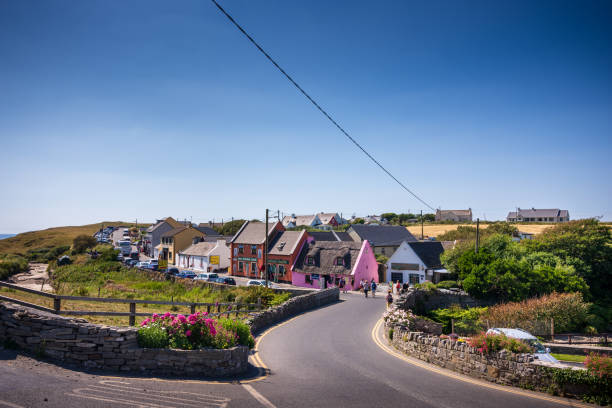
{"x": 421, "y": 301}
{"x": 88, "y": 345}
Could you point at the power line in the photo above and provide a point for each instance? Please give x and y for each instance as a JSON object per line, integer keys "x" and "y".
{"x": 316, "y": 104}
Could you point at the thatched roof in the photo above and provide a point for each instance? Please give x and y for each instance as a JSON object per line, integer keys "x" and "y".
{"x": 324, "y": 254}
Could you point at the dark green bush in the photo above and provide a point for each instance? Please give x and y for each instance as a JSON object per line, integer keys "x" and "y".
{"x": 11, "y": 265}
{"x": 596, "y": 389}
{"x": 447, "y": 284}
{"x": 152, "y": 337}
{"x": 241, "y": 329}
{"x": 82, "y": 243}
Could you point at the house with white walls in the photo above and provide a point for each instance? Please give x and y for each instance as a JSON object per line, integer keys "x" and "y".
{"x": 416, "y": 262}
{"x": 205, "y": 256}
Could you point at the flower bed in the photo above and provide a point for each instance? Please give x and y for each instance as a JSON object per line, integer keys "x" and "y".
{"x": 491, "y": 343}
{"x": 195, "y": 331}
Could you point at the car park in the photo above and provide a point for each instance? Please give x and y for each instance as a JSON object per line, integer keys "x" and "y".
{"x": 541, "y": 353}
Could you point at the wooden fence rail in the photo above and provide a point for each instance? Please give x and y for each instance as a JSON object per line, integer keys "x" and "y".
{"x": 213, "y": 309}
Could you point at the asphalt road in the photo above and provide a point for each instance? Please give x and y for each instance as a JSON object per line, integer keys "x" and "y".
{"x": 324, "y": 358}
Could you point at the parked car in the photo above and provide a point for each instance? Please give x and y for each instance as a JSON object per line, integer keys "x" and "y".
{"x": 187, "y": 275}
{"x": 226, "y": 280}
{"x": 152, "y": 266}
{"x": 206, "y": 276}
{"x": 132, "y": 262}
{"x": 154, "y": 262}
{"x": 172, "y": 271}
{"x": 261, "y": 282}
{"x": 541, "y": 353}
{"x": 120, "y": 257}
{"x": 143, "y": 265}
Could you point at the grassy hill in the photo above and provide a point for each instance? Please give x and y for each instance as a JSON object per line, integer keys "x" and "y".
{"x": 52, "y": 237}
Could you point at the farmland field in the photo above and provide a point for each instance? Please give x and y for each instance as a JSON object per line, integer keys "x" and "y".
{"x": 433, "y": 230}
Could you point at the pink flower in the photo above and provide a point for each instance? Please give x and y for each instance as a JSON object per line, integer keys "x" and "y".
{"x": 144, "y": 322}
{"x": 188, "y": 333}
{"x": 181, "y": 318}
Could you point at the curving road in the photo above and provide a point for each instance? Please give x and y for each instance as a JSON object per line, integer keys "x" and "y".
{"x": 325, "y": 358}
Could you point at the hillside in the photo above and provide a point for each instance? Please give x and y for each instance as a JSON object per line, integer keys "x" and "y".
{"x": 51, "y": 237}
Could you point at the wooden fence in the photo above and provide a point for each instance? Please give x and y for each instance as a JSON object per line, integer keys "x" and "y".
{"x": 213, "y": 309}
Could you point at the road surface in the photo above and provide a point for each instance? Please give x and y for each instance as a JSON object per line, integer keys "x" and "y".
{"x": 324, "y": 358}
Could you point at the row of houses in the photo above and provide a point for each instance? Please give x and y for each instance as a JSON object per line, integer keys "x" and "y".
{"x": 324, "y": 221}
{"x": 520, "y": 215}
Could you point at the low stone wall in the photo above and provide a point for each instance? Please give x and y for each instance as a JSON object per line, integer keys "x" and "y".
{"x": 506, "y": 368}
{"x": 292, "y": 307}
{"x": 88, "y": 345}
{"x": 421, "y": 301}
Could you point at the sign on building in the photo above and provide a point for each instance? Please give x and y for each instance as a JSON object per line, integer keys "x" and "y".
{"x": 214, "y": 259}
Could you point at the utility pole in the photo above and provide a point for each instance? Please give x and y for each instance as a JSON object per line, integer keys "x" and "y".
{"x": 477, "y": 234}
{"x": 422, "y": 228}
{"x": 266, "y": 249}
{"x": 278, "y": 215}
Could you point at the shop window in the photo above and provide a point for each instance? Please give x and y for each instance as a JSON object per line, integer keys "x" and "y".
{"x": 307, "y": 279}
{"x": 240, "y": 266}
{"x": 281, "y": 270}
{"x": 253, "y": 249}
{"x": 253, "y": 267}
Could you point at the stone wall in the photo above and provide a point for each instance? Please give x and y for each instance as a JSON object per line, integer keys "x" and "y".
{"x": 502, "y": 367}
{"x": 88, "y": 345}
{"x": 421, "y": 301}
{"x": 292, "y": 307}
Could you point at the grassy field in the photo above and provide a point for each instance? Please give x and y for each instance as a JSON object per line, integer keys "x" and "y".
{"x": 433, "y": 230}
{"x": 569, "y": 357}
{"x": 52, "y": 237}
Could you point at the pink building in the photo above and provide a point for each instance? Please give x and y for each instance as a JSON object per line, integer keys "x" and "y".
{"x": 324, "y": 263}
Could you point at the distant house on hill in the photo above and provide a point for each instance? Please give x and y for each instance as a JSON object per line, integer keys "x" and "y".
{"x": 329, "y": 220}
{"x": 153, "y": 234}
{"x": 415, "y": 262}
{"x": 538, "y": 215}
{"x": 292, "y": 221}
{"x": 384, "y": 239}
{"x": 454, "y": 215}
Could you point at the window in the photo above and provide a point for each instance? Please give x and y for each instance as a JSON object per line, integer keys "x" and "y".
{"x": 339, "y": 261}
{"x": 241, "y": 249}
{"x": 310, "y": 260}
{"x": 235, "y": 251}
{"x": 240, "y": 266}
{"x": 281, "y": 270}
{"x": 382, "y": 251}
{"x": 307, "y": 279}
{"x": 253, "y": 249}
{"x": 170, "y": 255}
{"x": 253, "y": 267}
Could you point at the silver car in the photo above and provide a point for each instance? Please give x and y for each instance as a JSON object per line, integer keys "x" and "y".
{"x": 541, "y": 353}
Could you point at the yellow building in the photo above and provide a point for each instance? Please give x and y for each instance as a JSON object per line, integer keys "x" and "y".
{"x": 175, "y": 240}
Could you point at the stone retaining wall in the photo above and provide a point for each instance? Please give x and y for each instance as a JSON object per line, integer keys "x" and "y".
{"x": 502, "y": 367}
{"x": 88, "y": 345}
{"x": 292, "y": 307}
{"x": 421, "y": 301}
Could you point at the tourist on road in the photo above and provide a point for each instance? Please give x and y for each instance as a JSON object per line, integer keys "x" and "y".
{"x": 373, "y": 286}
{"x": 398, "y": 287}
{"x": 389, "y": 298}
{"x": 366, "y": 288}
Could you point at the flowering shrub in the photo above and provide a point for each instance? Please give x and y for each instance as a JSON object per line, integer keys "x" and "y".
{"x": 395, "y": 316}
{"x": 194, "y": 331}
{"x": 491, "y": 343}
{"x": 599, "y": 365}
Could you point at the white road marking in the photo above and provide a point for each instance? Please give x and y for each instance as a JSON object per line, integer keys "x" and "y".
{"x": 262, "y": 400}
{"x": 10, "y": 404}
{"x": 119, "y": 392}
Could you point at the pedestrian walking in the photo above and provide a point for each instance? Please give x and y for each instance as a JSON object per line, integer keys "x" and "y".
{"x": 366, "y": 288}
{"x": 373, "y": 286}
{"x": 398, "y": 287}
{"x": 389, "y": 298}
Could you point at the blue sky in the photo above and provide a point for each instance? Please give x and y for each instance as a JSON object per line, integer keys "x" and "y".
{"x": 143, "y": 109}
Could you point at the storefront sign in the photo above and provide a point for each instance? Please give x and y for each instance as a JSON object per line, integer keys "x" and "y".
{"x": 314, "y": 276}
{"x": 240, "y": 258}
{"x": 214, "y": 259}
{"x": 278, "y": 261}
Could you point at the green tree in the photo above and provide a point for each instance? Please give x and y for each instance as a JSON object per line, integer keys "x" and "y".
{"x": 390, "y": 217}
{"x": 83, "y": 242}
{"x": 231, "y": 228}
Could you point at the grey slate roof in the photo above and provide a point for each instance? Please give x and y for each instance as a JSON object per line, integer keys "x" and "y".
{"x": 429, "y": 252}
{"x": 381, "y": 235}
{"x": 343, "y": 236}
{"x": 252, "y": 233}
{"x": 539, "y": 212}
{"x": 199, "y": 249}
{"x": 324, "y": 253}
{"x": 285, "y": 243}
{"x": 206, "y": 230}
{"x": 173, "y": 232}
{"x": 323, "y": 236}
{"x": 214, "y": 238}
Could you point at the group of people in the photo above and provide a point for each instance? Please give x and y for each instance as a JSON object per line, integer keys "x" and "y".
{"x": 367, "y": 286}
{"x": 398, "y": 288}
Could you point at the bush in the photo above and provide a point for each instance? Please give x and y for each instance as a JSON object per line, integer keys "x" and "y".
{"x": 82, "y": 243}
{"x": 596, "y": 389}
{"x": 152, "y": 337}
{"x": 46, "y": 255}
{"x": 427, "y": 286}
{"x": 467, "y": 321}
{"x": 492, "y": 343}
{"x": 568, "y": 310}
{"x": 599, "y": 365}
{"x": 243, "y": 331}
{"x": 11, "y": 265}
{"x": 447, "y": 284}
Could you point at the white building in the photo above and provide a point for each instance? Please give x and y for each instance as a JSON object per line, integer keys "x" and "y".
{"x": 416, "y": 262}
{"x": 205, "y": 256}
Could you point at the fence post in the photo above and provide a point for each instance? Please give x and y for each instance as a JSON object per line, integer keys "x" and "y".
{"x": 237, "y": 309}
{"x": 452, "y": 325}
{"x": 258, "y": 303}
{"x": 208, "y": 309}
{"x": 193, "y": 306}
{"x": 57, "y": 304}
{"x": 132, "y": 314}
{"x": 218, "y": 308}
{"x": 552, "y": 329}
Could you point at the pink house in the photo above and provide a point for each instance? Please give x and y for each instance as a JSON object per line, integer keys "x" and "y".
{"x": 324, "y": 263}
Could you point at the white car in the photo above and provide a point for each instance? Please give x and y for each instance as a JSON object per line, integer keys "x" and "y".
{"x": 259, "y": 282}
{"x": 541, "y": 353}
{"x": 209, "y": 277}
{"x": 142, "y": 265}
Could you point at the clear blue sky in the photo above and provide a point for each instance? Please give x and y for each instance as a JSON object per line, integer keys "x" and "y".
{"x": 144, "y": 109}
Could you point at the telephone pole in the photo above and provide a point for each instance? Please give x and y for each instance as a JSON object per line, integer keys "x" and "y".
{"x": 477, "y": 234}
{"x": 422, "y": 228}
{"x": 265, "y": 254}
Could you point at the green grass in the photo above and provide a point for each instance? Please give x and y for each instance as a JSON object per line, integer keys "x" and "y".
{"x": 569, "y": 357}
{"x": 52, "y": 237}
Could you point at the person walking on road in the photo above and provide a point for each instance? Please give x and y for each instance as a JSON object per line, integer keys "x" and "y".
{"x": 398, "y": 287}
{"x": 389, "y": 298}
{"x": 374, "y": 286}
{"x": 366, "y": 288}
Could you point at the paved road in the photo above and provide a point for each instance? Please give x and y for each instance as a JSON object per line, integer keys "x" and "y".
{"x": 325, "y": 358}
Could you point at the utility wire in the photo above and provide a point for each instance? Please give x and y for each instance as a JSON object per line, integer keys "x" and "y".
{"x": 316, "y": 104}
